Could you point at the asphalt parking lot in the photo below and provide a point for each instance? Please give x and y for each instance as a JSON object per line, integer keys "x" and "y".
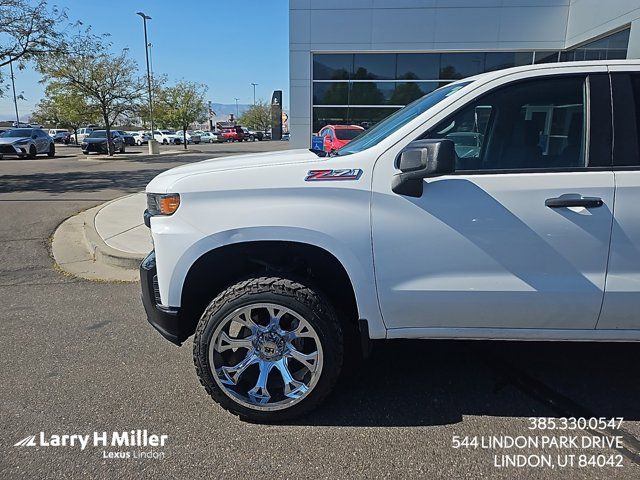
{"x": 79, "y": 356}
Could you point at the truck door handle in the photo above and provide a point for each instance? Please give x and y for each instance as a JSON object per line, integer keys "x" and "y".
{"x": 564, "y": 201}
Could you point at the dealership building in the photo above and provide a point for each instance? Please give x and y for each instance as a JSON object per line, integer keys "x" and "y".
{"x": 357, "y": 61}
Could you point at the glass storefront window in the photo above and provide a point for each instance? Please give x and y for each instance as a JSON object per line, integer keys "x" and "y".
{"x": 329, "y": 116}
{"x": 454, "y": 66}
{"x": 337, "y": 66}
{"x": 407, "y": 92}
{"x": 499, "y": 60}
{"x": 371, "y": 93}
{"x": 368, "y": 117}
{"x": 374, "y": 66}
{"x": 418, "y": 66}
{"x": 546, "y": 57}
{"x": 395, "y": 79}
{"x": 612, "y": 47}
{"x": 330, "y": 93}
{"x": 362, "y": 116}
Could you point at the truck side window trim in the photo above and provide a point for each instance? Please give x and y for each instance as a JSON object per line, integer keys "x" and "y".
{"x": 626, "y": 144}
{"x": 598, "y": 126}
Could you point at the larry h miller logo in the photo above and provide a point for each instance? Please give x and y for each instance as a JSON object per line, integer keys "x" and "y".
{"x": 112, "y": 443}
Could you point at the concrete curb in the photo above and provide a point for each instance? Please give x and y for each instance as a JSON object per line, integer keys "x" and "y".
{"x": 144, "y": 156}
{"x": 104, "y": 253}
{"x": 70, "y": 251}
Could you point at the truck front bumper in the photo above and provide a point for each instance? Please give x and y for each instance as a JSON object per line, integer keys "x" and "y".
{"x": 166, "y": 320}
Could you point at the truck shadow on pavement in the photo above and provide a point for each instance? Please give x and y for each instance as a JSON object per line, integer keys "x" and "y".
{"x": 421, "y": 383}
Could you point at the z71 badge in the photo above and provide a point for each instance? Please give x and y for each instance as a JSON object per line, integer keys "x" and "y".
{"x": 328, "y": 175}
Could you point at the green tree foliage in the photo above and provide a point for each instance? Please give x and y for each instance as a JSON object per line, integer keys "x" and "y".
{"x": 64, "y": 109}
{"x": 181, "y": 105}
{"x": 157, "y": 84}
{"x": 29, "y": 29}
{"x": 257, "y": 117}
{"x": 108, "y": 82}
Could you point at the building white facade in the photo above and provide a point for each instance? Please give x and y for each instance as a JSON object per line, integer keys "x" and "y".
{"x": 354, "y": 61}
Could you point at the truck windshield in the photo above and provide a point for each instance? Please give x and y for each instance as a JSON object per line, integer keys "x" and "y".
{"x": 386, "y": 127}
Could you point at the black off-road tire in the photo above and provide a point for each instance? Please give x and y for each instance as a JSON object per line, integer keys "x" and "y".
{"x": 308, "y": 302}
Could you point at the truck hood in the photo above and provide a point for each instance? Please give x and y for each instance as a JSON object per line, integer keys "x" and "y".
{"x": 163, "y": 182}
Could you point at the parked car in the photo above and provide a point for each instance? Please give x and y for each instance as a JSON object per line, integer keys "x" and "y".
{"x": 286, "y": 137}
{"x": 83, "y": 133}
{"x": 514, "y": 243}
{"x": 60, "y": 135}
{"x": 234, "y": 134}
{"x": 193, "y": 137}
{"x": 140, "y": 138}
{"x": 266, "y": 135}
{"x": 252, "y": 135}
{"x": 337, "y": 136}
{"x": 211, "y": 137}
{"x": 167, "y": 137}
{"x": 127, "y": 137}
{"x": 26, "y": 143}
{"x": 97, "y": 142}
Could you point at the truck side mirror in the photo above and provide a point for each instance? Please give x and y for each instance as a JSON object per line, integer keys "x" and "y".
{"x": 423, "y": 159}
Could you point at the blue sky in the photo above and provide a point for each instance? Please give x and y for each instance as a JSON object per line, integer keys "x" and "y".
{"x": 225, "y": 45}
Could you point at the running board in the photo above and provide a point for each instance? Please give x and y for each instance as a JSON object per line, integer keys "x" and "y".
{"x": 531, "y": 334}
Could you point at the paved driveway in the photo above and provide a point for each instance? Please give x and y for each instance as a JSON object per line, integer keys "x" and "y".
{"x": 78, "y": 357}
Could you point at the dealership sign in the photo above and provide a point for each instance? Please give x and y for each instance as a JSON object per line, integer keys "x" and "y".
{"x": 123, "y": 439}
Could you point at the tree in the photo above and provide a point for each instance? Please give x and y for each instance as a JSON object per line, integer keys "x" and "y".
{"x": 143, "y": 115}
{"x": 257, "y": 117}
{"x": 109, "y": 83}
{"x": 64, "y": 109}
{"x": 28, "y": 30}
{"x": 181, "y": 105}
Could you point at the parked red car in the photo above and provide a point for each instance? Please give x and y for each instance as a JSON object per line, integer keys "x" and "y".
{"x": 337, "y": 136}
{"x": 234, "y": 134}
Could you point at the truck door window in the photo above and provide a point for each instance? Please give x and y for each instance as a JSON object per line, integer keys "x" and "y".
{"x": 626, "y": 114}
{"x": 537, "y": 124}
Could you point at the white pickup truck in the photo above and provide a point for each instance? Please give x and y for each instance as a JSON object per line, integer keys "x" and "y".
{"x": 503, "y": 206}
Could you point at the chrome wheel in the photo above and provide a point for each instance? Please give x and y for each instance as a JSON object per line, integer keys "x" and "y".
{"x": 265, "y": 356}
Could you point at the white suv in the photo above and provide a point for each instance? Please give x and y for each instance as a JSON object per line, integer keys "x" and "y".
{"x": 167, "y": 137}
{"x": 503, "y": 206}
{"x": 84, "y": 133}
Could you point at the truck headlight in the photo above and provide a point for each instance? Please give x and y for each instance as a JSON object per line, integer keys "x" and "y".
{"x": 162, "y": 203}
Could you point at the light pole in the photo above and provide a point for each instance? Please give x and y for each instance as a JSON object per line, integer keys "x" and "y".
{"x": 237, "y": 111}
{"x": 153, "y": 148}
{"x": 15, "y": 98}
{"x": 254, "y": 92}
{"x": 151, "y": 59}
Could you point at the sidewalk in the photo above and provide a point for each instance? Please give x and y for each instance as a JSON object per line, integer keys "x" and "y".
{"x": 120, "y": 225}
{"x": 106, "y": 242}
